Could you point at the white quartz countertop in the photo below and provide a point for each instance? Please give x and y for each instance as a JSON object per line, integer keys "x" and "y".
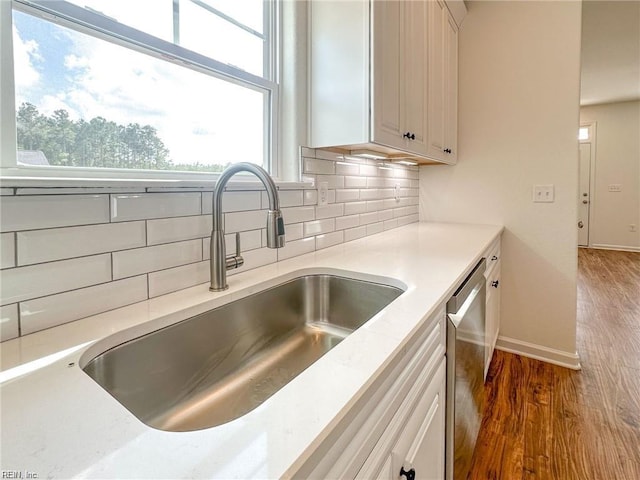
{"x": 56, "y": 422}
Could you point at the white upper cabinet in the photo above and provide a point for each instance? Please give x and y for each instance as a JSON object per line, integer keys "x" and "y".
{"x": 383, "y": 76}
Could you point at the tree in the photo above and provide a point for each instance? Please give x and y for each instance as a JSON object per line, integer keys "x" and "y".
{"x": 94, "y": 143}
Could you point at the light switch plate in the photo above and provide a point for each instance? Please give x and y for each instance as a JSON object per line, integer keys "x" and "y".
{"x": 543, "y": 193}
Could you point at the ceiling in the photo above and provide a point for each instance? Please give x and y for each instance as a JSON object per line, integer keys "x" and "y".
{"x": 610, "y": 51}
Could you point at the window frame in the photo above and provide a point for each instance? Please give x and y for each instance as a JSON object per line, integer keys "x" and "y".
{"x": 106, "y": 29}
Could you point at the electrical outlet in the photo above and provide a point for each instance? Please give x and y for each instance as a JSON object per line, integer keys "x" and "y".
{"x": 615, "y": 187}
{"x": 543, "y": 193}
{"x": 633, "y": 227}
{"x": 396, "y": 192}
{"x": 323, "y": 193}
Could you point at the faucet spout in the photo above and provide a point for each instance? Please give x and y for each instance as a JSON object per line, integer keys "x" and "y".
{"x": 219, "y": 264}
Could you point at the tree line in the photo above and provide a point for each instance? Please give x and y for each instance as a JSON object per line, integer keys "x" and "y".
{"x": 96, "y": 143}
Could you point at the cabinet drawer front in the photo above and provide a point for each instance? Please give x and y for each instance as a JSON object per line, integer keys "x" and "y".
{"x": 345, "y": 450}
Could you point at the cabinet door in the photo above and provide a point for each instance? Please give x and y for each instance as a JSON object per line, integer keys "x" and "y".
{"x": 422, "y": 447}
{"x": 451, "y": 96}
{"x": 415, "y": 70}
{"x": 436, "y": 80}
{"x": 386, "y": 104}
{"x": 492, "y": 315}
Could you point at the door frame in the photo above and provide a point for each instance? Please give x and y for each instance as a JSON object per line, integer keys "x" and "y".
{"x": 592, "y": 129}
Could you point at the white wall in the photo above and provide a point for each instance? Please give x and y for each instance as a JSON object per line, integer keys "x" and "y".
{"x": 518, "y": 122}
{"x": 617, "y": 161}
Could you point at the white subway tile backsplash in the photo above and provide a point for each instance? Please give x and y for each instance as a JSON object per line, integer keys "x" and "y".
{"x": 154, "y": 205}
{"x": 332, "y": 181}
{"x": 9, "y": 325}
{"x": 234, "y": 201}
{"x": 298, "y": 214}
{"x": 167, "y": 230}
{"x": 6, "y": 191}
{"x": 328, "y": 155}
{"x": 23, "y": 283}
{"x": 389, "y": 224}
{"x": 297, "y": 247}
{"x": 54, "y": 310}
{"x": 343, "y": 168}
{"x": 45, "y": 211}
{"x": 385, "y": 215}
{"x": 313, "y": 166}
{"x": 7, "y": 250}
{"x": 329, "y": 239}
{"x": 366, "y": 218}
{"x": 355, "y": 182}
{"x": 355, "y": 233}
{"x": 241, "y": 221}
{"x": 173, "y": 279}
{"x": 387, "y": 193}
{"x": 391, "y": 203}
{"x": 348, "y": 221}
{"x": 370, "y": 194}
{"x": 375, "y": 182}
{"x": 369, "y": 170}
{"x": 329, "y": 211}
{"x": 307, "y": 152}
{"x": 310, "y": 197}
{"x": 149, "y": 259}
{"x": 347, "y": 195}
{"x": 38, "y": 246}
{"x": 374, "y": 228}
{"x": 408, "y": 219}
{"x": 355, "y": 207}
{"x": 288, "y": 198}
{"x": 392, "y": 182}
{"x": 294, "y": 231}
{"x": 401, "y": 212}
{"x": 318, "y": 227}
{"x": 375, "y": 205}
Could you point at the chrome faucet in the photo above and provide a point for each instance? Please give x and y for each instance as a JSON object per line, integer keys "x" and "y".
{"x": 219, "y": 262}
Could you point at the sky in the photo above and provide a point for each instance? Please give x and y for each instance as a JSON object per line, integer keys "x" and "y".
{"x": 197, "y": 116}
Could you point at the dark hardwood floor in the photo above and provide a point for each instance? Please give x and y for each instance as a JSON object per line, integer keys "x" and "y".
{"x": 549, "y": 422}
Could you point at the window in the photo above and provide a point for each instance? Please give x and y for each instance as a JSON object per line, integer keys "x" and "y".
{"x": 184, "y": 85}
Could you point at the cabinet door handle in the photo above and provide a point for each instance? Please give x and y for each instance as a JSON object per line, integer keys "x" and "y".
{"x": 447, "y": 150}
{"x": 410, "y": 136}
{"x": 495, "y": 283}
{"x": 411, "y": 474}
{"x": 494, "y": 258}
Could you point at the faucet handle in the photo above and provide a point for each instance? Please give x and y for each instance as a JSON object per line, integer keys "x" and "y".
{"x": 235, "y": 261}
{"x": 238, "y": 251}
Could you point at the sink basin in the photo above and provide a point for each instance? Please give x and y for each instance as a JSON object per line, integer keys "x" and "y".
{"x": 217, "y": 366}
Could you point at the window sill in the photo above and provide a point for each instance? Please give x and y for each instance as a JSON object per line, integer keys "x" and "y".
{"x": 13, "y": 178}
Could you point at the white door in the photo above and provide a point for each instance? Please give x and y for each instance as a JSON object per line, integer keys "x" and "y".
{"x": 584, "y": 194}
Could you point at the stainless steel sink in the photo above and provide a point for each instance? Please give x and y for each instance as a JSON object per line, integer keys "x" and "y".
{"x": 217, "y": 366}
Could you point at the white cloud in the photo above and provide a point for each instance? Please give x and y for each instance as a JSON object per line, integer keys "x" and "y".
{"x": 25, "y": 54}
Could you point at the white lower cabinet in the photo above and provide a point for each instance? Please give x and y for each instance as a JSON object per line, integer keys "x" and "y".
{"x": 398, "y": 423}
{"x": 492, "y": 315}
{"x": 412, "y": 447}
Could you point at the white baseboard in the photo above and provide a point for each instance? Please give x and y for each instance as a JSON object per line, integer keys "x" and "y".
{"x": 538, "y": 352}
{"x": 622, "y": 248}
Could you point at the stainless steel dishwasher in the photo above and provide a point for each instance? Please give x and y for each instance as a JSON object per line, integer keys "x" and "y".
{"x": 465, "y": 371}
